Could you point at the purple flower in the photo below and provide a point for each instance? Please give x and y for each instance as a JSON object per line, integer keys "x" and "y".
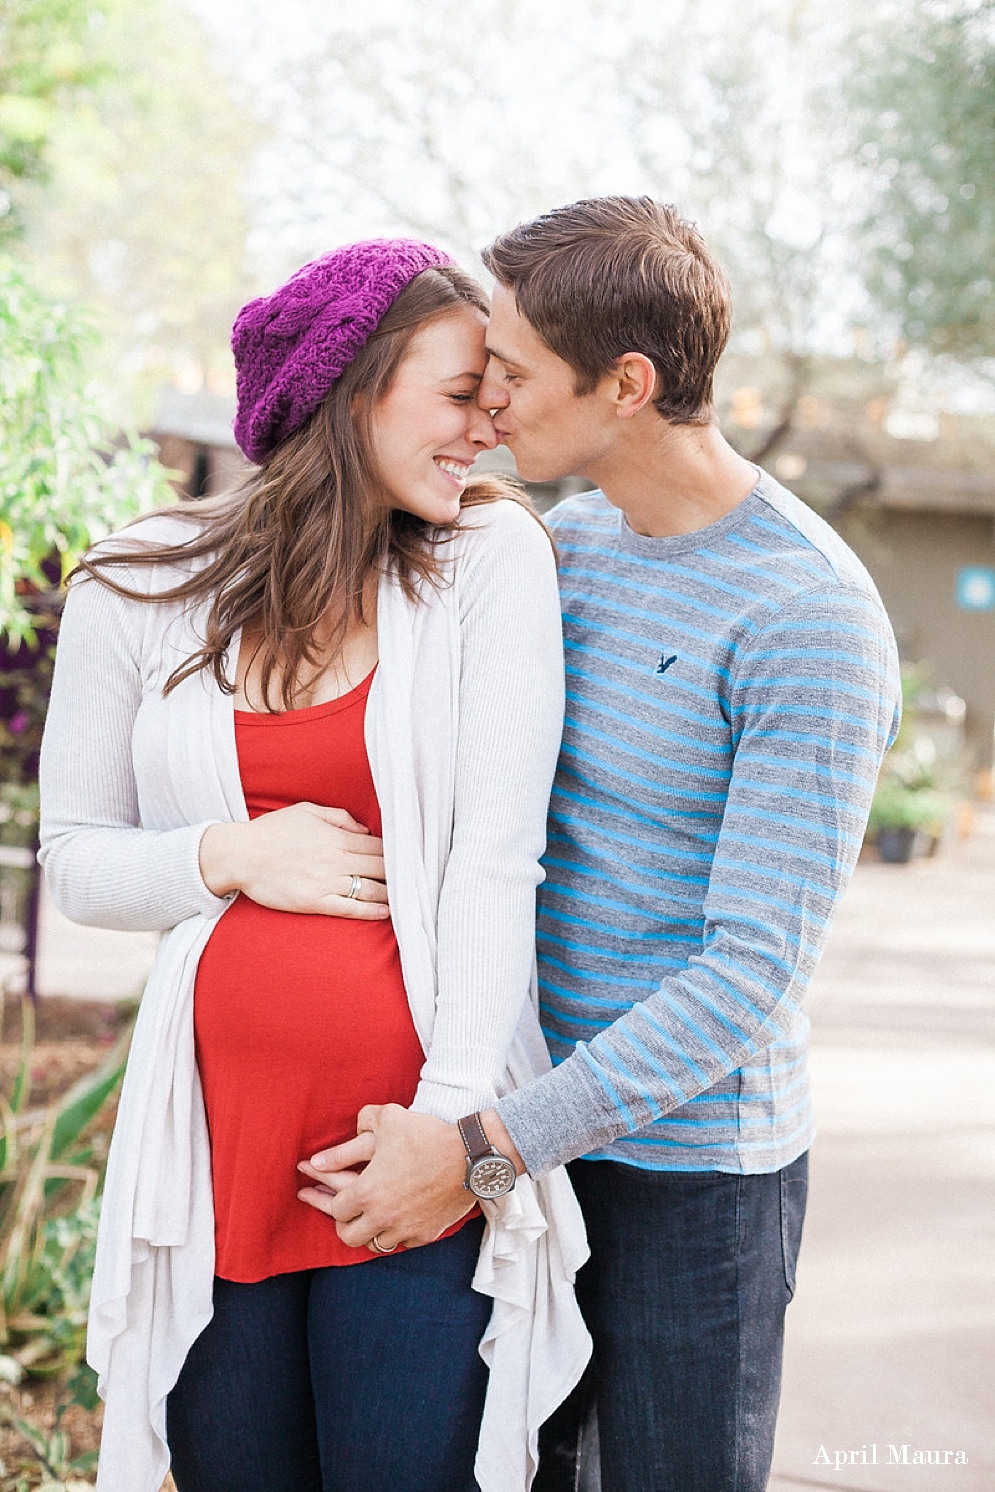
{"x": 19, "y": 722}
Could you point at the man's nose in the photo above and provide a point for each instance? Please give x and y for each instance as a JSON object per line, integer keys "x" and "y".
{"x": 492, "y": 394}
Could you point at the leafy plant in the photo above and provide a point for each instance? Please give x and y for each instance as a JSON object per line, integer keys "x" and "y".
{"x": 66, "y": 476}
{"x": 49, "y": 1180}
{"x": 66, "y": 479}
{"x": 913, "y": 788}
{"x": 42, "y": 65}
{"x": 25, "y": 684}
{"x": 922, "y": 107}
{"x": 908, "y": 799}
{"x": 53, "y": 1450}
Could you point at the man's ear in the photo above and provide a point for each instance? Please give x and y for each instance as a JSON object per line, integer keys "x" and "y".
{"x": 634, "y": 378}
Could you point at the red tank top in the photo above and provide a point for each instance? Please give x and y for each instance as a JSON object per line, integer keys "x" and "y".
{"x": 299, "y": 1019}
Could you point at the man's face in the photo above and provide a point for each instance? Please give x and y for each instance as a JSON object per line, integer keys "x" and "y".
{"x": 551, "y": 431}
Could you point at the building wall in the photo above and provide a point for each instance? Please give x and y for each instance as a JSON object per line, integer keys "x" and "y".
{"x": 212, "y": 468}
{"x": 177, "y": 455}
{"x": 228, "y": 469}
{"x": 915, "y": 558}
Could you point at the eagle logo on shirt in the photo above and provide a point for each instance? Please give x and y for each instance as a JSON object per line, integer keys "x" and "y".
{"x": 665, "y": 662}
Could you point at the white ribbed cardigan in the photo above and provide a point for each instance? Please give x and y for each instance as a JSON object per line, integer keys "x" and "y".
{"x": 462, "y": 729}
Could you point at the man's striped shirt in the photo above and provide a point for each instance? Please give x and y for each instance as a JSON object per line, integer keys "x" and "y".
{"x": 730, "y": 693}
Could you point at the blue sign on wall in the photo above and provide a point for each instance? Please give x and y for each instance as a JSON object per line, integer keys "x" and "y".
{"x": 976, "y": 588}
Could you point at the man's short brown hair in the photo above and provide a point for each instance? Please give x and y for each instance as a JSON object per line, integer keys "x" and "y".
{"x": 611, "y": 275}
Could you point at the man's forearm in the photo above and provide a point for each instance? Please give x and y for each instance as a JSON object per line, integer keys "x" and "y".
{"x": 557, "y": 1117}
{"x": 494, "y": 1129}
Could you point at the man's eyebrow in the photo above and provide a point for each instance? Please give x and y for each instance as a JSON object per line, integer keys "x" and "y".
{"x": 509, "y": 362}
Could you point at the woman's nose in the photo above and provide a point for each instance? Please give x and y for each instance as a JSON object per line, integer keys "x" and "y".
{"x": 482, "y": 432}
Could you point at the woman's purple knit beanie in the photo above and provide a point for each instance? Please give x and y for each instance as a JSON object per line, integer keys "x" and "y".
{"x": 292, "y": 345}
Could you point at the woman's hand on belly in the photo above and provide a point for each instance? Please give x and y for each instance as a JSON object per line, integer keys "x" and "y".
{"x": 304, "y": 858}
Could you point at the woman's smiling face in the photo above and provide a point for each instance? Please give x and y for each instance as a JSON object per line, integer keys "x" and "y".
{"x": 427, "y": 430}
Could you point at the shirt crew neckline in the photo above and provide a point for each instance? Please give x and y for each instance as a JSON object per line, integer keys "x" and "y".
{"x": 664, "y": 546}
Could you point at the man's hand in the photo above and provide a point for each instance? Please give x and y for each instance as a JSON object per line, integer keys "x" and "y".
{"x": 411, "y": 1190}
{"x": 412, "y": 1187}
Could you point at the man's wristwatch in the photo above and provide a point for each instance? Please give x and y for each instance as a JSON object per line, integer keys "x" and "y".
{"x": 489, "y": 1174}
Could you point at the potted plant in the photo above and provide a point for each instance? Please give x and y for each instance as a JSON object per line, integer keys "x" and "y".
{"x": 907, "y": 803}
{"x": 913, "y": 799}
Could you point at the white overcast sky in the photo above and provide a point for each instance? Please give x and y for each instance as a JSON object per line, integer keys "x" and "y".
{"x": 540, "y": 91}
{"x": 531, "y": 107}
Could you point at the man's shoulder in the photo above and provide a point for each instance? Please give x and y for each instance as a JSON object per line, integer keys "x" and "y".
{"x": 820, "y": 597}
{"x": 812, "y": 553}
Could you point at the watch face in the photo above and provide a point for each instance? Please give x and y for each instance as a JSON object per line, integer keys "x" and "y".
{"x": 492, "y": 1176}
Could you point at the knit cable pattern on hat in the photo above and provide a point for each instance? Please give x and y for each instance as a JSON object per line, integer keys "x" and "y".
{"x": 292, "y": 345}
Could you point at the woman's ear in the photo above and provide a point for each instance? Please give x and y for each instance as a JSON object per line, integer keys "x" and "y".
{"x": 635, "y": 380}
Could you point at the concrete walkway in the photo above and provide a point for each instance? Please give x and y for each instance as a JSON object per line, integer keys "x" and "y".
{"x": 891, "y": 1337}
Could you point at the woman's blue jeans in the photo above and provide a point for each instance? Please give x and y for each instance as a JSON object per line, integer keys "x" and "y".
{"x": 685, "y": 1294}
{"x": 352, "y": 1379}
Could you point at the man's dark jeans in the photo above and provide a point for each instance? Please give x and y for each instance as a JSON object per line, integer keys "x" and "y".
{"x": 685, "y": 1293}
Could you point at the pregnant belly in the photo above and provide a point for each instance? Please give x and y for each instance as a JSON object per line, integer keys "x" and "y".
{"x": 300, "y": 1021}
{"x": 283, "y": 991}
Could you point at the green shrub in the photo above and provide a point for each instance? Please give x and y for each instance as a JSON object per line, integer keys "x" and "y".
{"x": 50, "y": 1178}
{"x": 67, "y": 477}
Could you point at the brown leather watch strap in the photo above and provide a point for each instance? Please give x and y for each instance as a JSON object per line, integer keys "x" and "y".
{"x": 476, "y": 1142}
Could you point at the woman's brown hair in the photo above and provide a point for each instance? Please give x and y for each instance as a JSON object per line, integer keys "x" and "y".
{"x": 291, "y": 549}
